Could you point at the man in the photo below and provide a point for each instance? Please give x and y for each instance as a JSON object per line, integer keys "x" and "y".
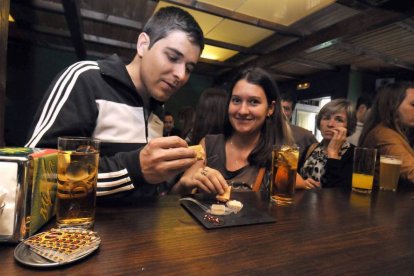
{"x": 303, "y": 137}
{"x": 169, "y": 127}
{"x": 288, "y": 105}
{"x": 117, "y": 104}
{"x": 363, "y": 107}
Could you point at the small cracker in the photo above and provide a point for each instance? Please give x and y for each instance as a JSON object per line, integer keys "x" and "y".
{"x": 199, "y": 150}
{"x": 225, "y": 196}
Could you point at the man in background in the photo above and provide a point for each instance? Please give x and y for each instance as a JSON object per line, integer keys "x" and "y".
{"x": 288, "y": 105}
{"x": 169, "y": 126}
{"x": 363, "y": 107}
{"x": 303, "y": 137}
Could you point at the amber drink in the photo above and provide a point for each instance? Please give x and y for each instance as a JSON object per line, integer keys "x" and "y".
{"x": 284, "y": 168}
{"x": 389, "y": 172}
{"x": 78, "y": 160}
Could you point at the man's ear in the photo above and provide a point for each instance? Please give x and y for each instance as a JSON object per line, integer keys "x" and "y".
{"x": 142, "y": 44}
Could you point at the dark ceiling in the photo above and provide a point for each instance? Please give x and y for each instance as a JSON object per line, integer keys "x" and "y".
{"x": 368, "y": 35}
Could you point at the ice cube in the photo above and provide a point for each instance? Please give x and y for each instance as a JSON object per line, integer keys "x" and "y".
{"x": 77, "y": 171}
{"x": 85, "y": 148}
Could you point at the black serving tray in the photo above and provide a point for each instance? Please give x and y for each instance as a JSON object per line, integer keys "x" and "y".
{"x": 248, "y": 215}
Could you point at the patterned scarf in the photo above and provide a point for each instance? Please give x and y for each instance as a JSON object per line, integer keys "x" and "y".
{"x": 314, "y": 166}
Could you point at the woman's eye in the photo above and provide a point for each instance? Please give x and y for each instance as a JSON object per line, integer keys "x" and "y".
{"x": 235, "y": 100}
{"x": 254, "y": 102}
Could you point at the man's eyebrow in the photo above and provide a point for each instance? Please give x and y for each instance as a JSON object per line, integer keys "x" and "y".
{"x": 175, "y": 51}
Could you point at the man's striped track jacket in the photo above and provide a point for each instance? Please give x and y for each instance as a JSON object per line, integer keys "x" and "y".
{"x": 98, "y": 99}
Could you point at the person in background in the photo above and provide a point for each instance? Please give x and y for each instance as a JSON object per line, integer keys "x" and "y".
{"x": 329, "y": 163}
{"x": 186, "y": 118}
{"x": 210, "y": 114}
{"x": 118, "y": 104}
{"x": 363, "y": 107}
{"x": 303, "y": 137}
{"x": 253, "y": 124}
{"x": 387, "y": 125}
{"x": 169, "y": 127}
{"x": 288, "y": 102}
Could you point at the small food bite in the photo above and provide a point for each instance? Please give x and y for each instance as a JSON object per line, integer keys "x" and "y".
{"x": 217, "y": 209}
{"x": 199, "y": 150}
{"x": 225, "y": 196}
{"x": 234, "y": 205}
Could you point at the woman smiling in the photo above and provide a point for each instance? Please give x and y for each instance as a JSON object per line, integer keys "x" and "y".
{"x": 253, "y": 124}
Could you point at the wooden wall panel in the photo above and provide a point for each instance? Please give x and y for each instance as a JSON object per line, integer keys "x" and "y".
{"x": 4, "y": 26}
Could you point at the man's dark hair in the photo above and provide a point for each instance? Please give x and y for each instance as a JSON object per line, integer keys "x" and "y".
{"x": 169, "y": 19}
{"x": 288, "y": 97}
{"x": 167, "y": 113}
{"x": 364, "y": 100}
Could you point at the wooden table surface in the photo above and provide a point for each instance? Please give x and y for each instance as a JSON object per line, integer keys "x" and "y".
{"x": 326, "y": 232}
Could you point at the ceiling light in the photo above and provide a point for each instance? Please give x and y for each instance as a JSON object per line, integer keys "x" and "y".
{"x": 217, "y": 53}
{"x": 303, "y": 86}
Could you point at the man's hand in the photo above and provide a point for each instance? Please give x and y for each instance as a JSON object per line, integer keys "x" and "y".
{"x": 165, "y": 157}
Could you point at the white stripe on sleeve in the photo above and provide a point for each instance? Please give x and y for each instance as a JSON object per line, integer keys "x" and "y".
{"x": 50, "y": 111}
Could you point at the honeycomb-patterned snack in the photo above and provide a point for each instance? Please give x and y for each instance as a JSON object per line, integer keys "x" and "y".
{"x": 63, "y": 245}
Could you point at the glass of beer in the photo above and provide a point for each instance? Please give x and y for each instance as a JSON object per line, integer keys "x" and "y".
{"x": 78, "y": 159}
{"x": 389, "y": 172}
{"x": 363, "y": 170}
{"x": 284, "y": 168}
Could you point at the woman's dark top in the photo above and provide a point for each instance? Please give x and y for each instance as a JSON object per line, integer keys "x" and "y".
{"x": 328, "y": 171}
{"x": 216, "y": 158}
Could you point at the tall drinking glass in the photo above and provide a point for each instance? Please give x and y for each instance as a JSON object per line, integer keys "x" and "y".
{"x": 389, "y": 172}
{"x": 284, "y": 168}
{"x": 78, "y": 159}
{"x": 363, "y": 170}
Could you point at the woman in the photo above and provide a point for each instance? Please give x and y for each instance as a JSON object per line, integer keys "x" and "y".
{"x": 209, "y": 115}
{"x": 329, "y": 163}
{"x": 186, "y": 120}
{"x": 252, "y": 125}
{"x": 390, "y": 120}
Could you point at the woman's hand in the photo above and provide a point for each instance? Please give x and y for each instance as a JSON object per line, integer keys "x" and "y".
{"x": 335, "y": 144}
{"x": 308, "y": 183}
{"x": 210, "y": 180}
{"x": 204, "y": 178}
{"x": 311, "y": 184}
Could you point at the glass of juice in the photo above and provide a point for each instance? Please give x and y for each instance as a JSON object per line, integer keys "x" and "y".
{"x": 363, "y": 169}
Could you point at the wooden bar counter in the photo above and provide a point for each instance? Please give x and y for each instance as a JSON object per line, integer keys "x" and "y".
{"x": 326, "y": 232}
